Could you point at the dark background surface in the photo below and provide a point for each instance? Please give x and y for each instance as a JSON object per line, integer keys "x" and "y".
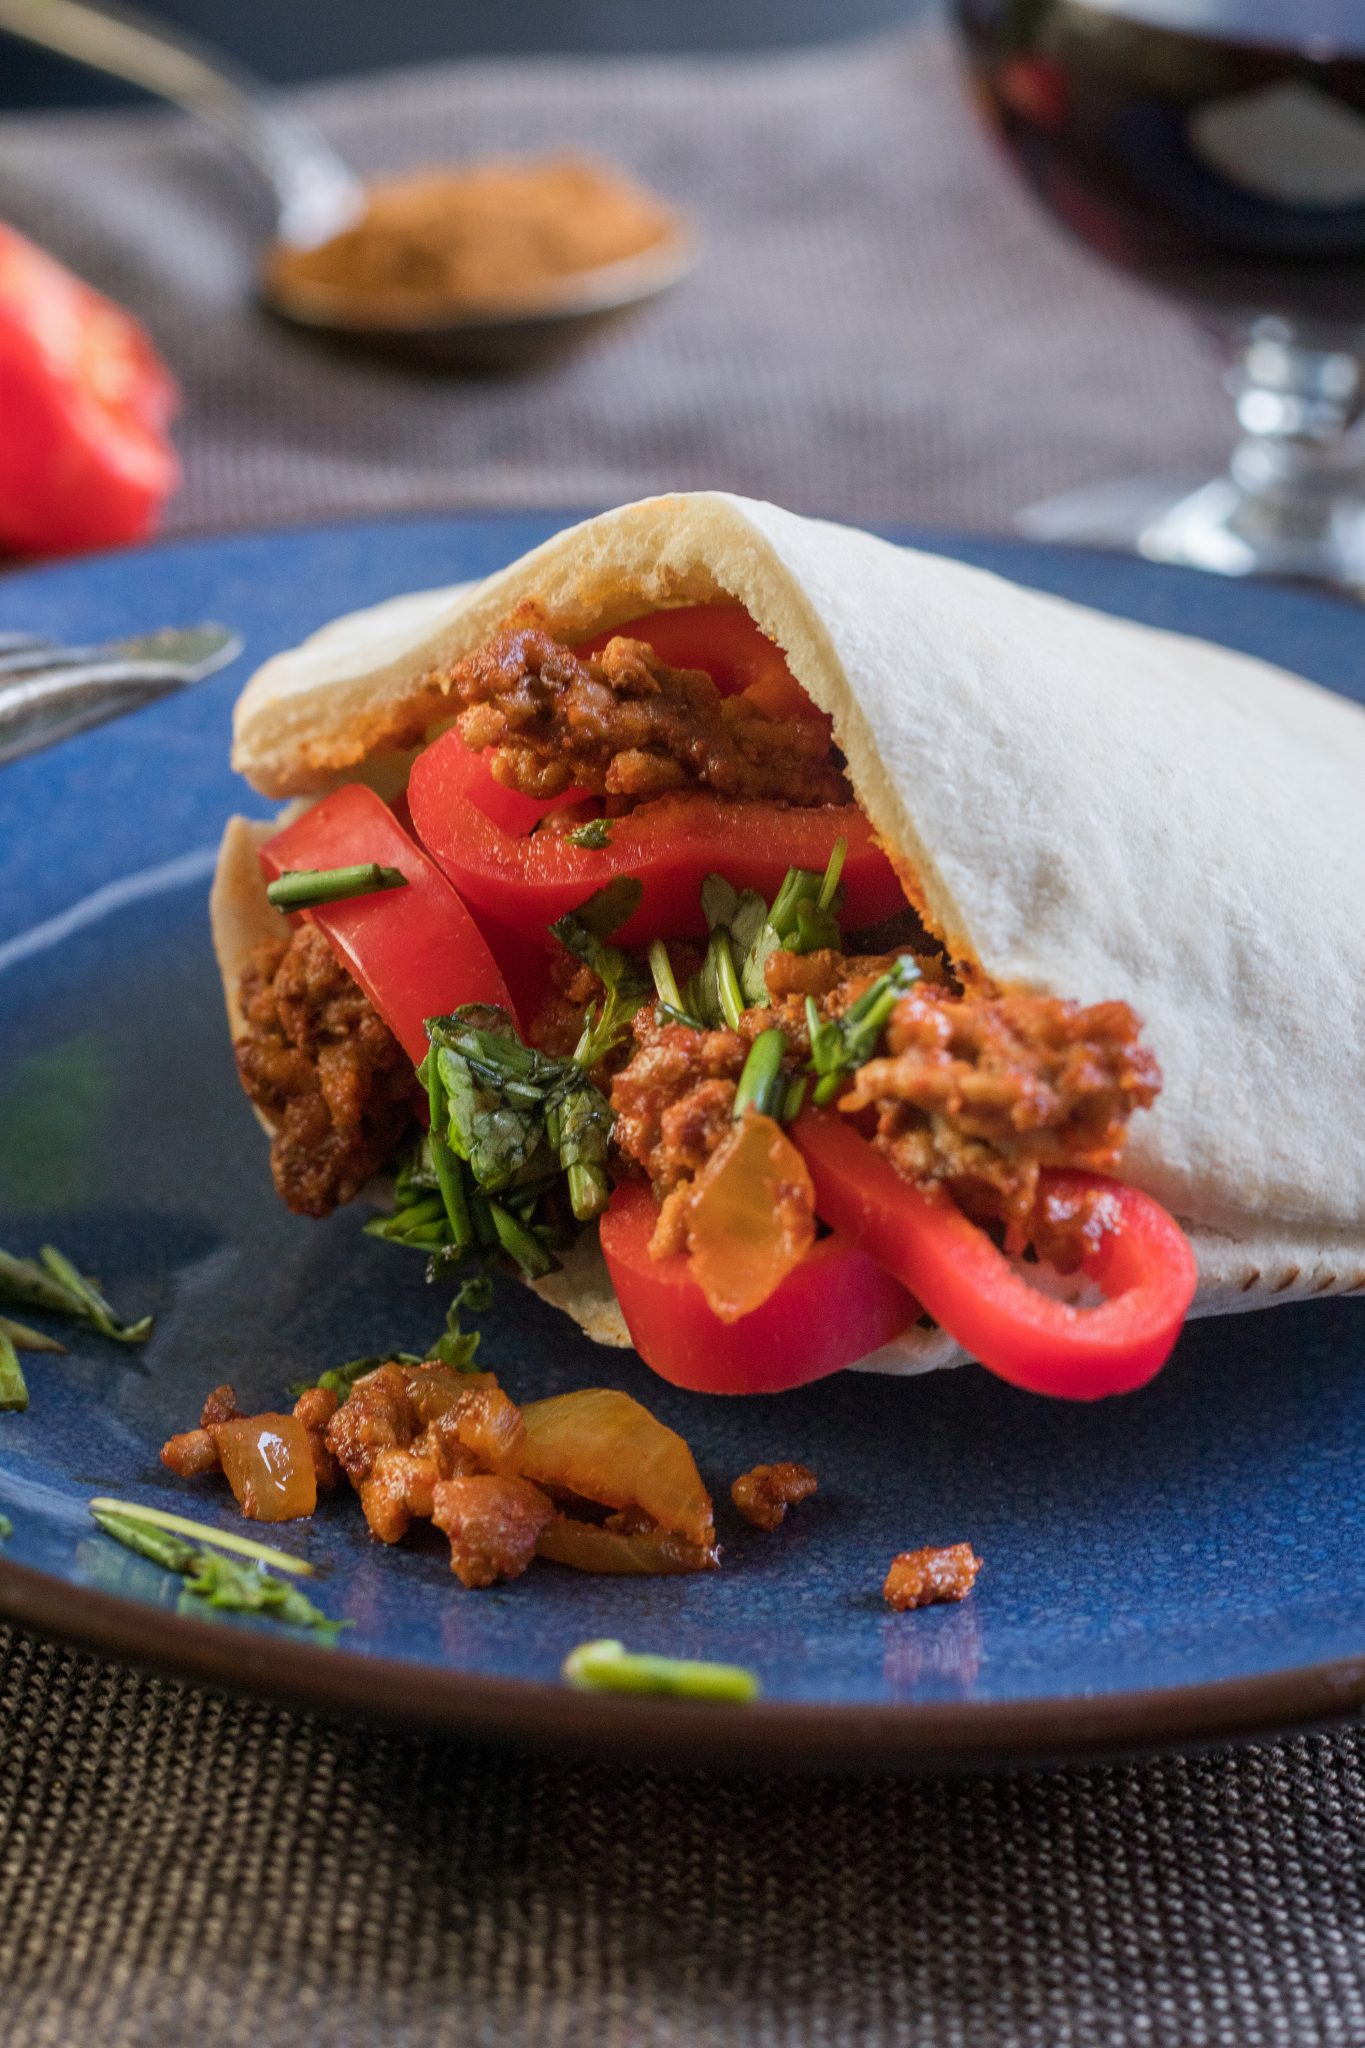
{"x": 289, "y": 40}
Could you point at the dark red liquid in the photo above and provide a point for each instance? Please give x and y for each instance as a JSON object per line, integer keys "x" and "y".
{"x": 1226, "y": 166}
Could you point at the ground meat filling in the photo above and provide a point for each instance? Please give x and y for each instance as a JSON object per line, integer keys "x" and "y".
{"x": 978, "y": 1093}
{"x": 325, "y": 1070}
{"x": 623, "y": 724}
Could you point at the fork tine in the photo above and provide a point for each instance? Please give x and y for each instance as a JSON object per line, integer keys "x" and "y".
{"x": 49, "y": 696}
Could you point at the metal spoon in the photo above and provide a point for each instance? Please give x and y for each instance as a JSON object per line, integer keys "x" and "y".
{"x": 316, "y": 194}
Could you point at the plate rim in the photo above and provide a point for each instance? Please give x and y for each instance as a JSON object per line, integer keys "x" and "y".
{"x": 908, "y": 1736}
{"x": 797, "y": 1735}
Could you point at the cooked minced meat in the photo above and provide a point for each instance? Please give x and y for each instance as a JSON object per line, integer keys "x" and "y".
{"x": 922, "y": 1578}
{"x": 623, "y": 724}
{"x": 673, "y": 1099}
{"x": 977, "y": 1091}
{"x": 980, "y": 1092}
{"x": 325, "y": 1070}
{"x": 764, "y": 1494}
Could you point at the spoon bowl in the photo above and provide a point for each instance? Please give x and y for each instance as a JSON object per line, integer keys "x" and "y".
{"x": 317, "y": 196}
{"x": 507, "y": 339}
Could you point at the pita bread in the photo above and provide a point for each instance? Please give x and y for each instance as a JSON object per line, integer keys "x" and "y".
{"x": 1091, "y": 808}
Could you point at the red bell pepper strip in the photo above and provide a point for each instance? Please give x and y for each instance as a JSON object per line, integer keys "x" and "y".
{"x": 1143, "y": 1264}
{"x": 415, "y": 951}
{"x": 671, "y": 844}
{"x": 723, "y": 640}
{"x": 84, "y": 405}
{"x": 833, "y": 1309}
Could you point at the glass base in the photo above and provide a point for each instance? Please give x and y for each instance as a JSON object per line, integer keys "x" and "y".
{"x": 1221, "y": 526}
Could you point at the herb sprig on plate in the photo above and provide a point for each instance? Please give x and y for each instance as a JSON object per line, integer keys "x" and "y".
{"x": 53, "y": 1283}
{"x": 249, "y": 1583}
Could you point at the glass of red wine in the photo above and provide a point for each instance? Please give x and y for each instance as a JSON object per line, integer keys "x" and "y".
{"x": 1215, "y": 149}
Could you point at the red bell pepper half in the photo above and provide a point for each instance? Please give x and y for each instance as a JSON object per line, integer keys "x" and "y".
{"x": 415, "y": 951}
{"x": 1143, "y": 1264}
{"x": 833, "y": 1309}
{"x": 84, "y": 405}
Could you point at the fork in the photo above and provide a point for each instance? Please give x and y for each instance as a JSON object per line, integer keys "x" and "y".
{"x": 49, "y": 692}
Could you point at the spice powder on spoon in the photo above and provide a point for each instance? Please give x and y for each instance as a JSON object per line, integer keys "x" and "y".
{"x": 504, "y": 236}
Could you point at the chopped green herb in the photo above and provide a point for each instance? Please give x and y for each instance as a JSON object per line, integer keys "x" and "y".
{"x": 607, "y": 1666}
{"x": 6, "y": 1527}
{"x": 839, "y": 1044}
{"x": 418, "y": 1216}
{"x": 579, "y": 1124}
{"x": 715, "y": 994}
{"x": 762, "y": 1083}
{"x": 93, "y": 1304}
{"x": 584, "y": 932}
{"x": 521, "y": 1243}
{"x": 803, "y": 918}
{"x": 200, "y": 1532}
{"x": 607, "y": 909}
{"x": 489, "y": 1104}
{"x": 13, "y": 1385}
{"x": 595, "y": 834}
{"x": 444, "y": 1164}
{"x": 309, "y": 888}
{"x": 51, "y": 1282}
{"x": 674, "y": 1016}
{"x": 23, "y": 1338}
{"x": 794, "y": 1099}
{"x": 219, "y": 1581}
{"x": 666, "y": 984}
{"x": 455, "y": 1346}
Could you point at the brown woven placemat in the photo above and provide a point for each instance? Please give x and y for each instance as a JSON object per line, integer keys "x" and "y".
{"x": 177, "y": 1868}
{"x": 883, "y": 329}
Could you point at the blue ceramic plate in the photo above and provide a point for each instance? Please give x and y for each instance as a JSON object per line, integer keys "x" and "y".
{"x": 1184, "y": 1562}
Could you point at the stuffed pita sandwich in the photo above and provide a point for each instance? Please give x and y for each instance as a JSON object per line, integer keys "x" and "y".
{"x": 794, "y": 951}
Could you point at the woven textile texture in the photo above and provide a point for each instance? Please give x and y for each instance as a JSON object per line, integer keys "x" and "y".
{"x": 883, "y": 329}
{"x": 883, "y": 326}
{"x": 178, "y": 1868}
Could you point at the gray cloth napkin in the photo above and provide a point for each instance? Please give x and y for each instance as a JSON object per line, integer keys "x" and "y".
{"x": 883, "y": 328}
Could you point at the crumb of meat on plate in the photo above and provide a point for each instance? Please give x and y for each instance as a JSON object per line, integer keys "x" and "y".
{"x": 920, "y": 1578}
{"x": 764, "y": 1494}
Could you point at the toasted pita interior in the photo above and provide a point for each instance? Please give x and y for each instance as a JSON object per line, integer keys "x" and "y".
{"x": 1093, "y": 809}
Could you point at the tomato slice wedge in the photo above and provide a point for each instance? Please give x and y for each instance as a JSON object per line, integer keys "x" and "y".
{"x": 1144, "y": 1265}
{"x": 416, "y": 951}
{"x": 836, "y": 1307}
{"x": 85, "y": 400}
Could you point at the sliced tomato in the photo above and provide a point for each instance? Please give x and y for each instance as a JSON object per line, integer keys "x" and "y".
{"x": 1143, "y": 1264}
{"x": 85, "y": 401}
{"x": 836, "y": 1307}
{"x": 528, "y": 880}
{"x": 415, "y": 951}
